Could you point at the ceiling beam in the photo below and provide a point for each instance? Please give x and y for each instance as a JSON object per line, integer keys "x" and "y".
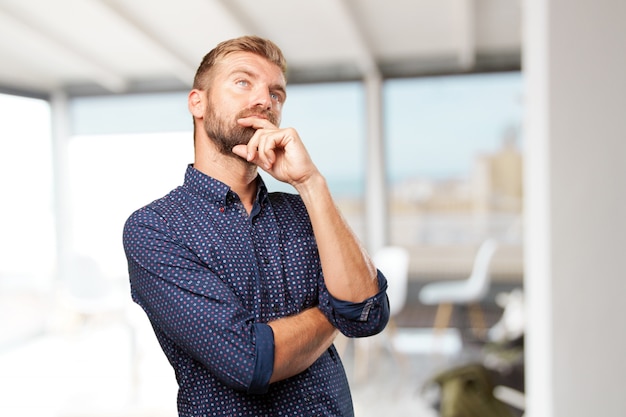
{"x": 365, "y": 59}
{"x": 245, "y": 24}
{"x": 467, "y": 34}
{"x": 183, "y": 69}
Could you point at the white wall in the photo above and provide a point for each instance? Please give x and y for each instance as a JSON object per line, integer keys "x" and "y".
{"x": 575, "y": 69}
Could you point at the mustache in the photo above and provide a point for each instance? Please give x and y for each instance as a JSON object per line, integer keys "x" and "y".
{"x": 259, "y": 111}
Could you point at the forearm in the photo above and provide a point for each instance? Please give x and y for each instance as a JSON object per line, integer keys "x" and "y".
{"x": 349, "y": 273}
{"x": 299, "y": 341}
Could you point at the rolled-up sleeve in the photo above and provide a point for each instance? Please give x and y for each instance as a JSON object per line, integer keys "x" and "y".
{"x": 362, "y": 319}
{"x": 264, "y": 364}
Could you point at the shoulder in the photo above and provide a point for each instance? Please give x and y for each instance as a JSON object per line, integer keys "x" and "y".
{"x": 158, "y": 212}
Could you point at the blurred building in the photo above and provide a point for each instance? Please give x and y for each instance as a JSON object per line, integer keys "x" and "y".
{"x": 442, "y": 221}
{"x": 497, "y": 178}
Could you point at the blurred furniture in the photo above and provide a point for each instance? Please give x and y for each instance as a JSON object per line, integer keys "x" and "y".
{"x": 439, "y": 262}
{"x": 88, "y": 294}
{"x": 472, "y": 390}
{"x": 90, "y": 297}
{"x": 393, "y": 262}
{"x": 469, "y": 292}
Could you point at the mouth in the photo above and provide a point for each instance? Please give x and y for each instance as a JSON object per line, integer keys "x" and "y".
{"x": 259, "y": 114}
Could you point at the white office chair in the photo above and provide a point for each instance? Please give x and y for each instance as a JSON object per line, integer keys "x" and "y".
{"x": 87, "y": 293}
{"x": 393, "y": 262}
{"x": 465, "y": 292}
{"x": 88, "y": 296}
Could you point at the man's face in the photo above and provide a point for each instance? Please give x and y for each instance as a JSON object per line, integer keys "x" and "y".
{"x": 243, "y": 85}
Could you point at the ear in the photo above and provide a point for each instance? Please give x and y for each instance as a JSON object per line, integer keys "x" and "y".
{"x": 196, "y": 103}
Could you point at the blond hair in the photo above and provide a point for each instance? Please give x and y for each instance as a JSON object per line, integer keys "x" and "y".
{"x": 254, "y": 44}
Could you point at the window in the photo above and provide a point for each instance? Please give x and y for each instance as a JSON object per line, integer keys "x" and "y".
{"x": 27, "y": 246}
{"x": 113, "y": 172}
{"x": 454, "y": 157}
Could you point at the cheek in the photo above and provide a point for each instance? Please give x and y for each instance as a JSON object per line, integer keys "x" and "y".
{"x": 218, "y": 112}
{"x": 278, "y": 114}
{"x": 222, "y": 105}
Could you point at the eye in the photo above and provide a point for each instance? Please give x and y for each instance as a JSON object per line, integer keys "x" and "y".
{"x": 243, "y": 83}
{"x": 277, "y": 97}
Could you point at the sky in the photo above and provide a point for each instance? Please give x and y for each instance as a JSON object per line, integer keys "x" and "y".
{"x": 434, "y": 126}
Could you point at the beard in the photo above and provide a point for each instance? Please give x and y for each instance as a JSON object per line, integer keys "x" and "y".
{"x": 227, "y": 134}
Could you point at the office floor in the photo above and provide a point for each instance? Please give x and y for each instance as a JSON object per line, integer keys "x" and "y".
{"x": 94, "y": 368}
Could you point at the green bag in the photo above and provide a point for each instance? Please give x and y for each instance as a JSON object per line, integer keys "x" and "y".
{"x": 467, "y": 391}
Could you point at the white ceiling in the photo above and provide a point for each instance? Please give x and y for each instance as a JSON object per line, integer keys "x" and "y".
{"x": 117, "y": 46}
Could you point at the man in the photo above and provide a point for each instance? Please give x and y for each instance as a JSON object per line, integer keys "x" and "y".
{"x": 246, "y": 289}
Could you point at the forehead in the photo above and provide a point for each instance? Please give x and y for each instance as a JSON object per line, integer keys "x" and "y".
{"x": 249, "y": 63}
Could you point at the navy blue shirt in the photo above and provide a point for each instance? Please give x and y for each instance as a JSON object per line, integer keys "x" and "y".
{"x": 210, "y": 277}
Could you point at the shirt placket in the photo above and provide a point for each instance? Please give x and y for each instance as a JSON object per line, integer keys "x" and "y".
{"x": 266, "y": 247}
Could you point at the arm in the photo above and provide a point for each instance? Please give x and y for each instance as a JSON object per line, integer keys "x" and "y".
{"x": 166, "y": 277}
{"x": 298, "y": 341}
{"x": 349, "y": 273}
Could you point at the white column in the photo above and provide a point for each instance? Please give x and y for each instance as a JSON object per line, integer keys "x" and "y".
{"x": 60, "y": 137}
{"x": 575, "y": 180}
{"x": 376, "y": 219}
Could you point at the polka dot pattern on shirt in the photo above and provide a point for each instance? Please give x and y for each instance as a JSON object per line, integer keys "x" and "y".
{"x": 209, "y": 276}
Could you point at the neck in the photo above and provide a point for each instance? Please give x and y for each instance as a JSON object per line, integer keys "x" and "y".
{"x": 233, "y": 171}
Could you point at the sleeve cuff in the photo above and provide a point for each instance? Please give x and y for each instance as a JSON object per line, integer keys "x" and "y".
{"x": 359, "y": 311}
{"x": 264, "y": 362}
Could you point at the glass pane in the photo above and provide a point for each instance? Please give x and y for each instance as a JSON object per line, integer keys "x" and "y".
{"x": 26, "y": 186}
{"x": 454, "y": 154}
{"x": 330, "y": 120}
{"x": 27, "y": 246}
{"x": 113, "y": 175}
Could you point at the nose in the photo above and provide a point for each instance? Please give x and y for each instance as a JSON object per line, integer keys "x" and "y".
{"x": 262, "y": 97}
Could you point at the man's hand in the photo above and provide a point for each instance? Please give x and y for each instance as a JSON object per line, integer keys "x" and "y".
{"x": 278, "y": 151}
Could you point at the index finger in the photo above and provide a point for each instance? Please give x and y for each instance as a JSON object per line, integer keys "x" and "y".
{"x": 256, "y": 122}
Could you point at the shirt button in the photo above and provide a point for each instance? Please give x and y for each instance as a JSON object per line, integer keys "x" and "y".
{"x": 266, "y": 260}
{"x": 222, "y": 209}
{"x": 275, "y": 308}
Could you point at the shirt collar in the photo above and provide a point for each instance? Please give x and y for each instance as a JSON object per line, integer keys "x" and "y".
{"x": 216, "y": 191}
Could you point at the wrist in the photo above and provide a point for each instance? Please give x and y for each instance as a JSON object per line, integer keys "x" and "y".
{"x": 313, "y": 186}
